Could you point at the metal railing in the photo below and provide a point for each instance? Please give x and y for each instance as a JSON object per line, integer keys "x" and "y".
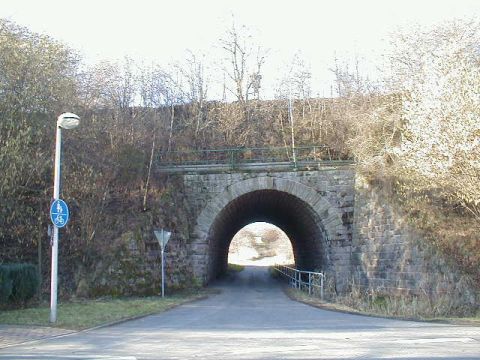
{"x": 310, "y": 281}
{"x": 234, "y": 157}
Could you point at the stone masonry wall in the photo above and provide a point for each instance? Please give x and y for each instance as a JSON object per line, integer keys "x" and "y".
{"x": 389, "y": 257}
{"x": 334, "y": 185}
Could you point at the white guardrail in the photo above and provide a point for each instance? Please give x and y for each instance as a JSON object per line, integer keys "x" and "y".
{"x": 303, "y": 280}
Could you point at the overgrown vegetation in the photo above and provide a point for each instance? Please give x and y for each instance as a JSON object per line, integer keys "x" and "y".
{"x": 423, "y": 143}
{"x": 418, "y": 136}
{"x": 404, "y": 307}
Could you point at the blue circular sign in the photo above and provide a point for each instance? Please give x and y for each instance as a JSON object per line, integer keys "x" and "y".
{"x": 59, "y": 213}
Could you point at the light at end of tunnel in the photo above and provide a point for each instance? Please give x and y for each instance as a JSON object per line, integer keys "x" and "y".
{"x": 260, "y": 244}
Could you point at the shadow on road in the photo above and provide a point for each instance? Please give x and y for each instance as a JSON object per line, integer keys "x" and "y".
{"x": 251, "y": 276}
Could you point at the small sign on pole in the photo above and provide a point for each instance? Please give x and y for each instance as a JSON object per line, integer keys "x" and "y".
{"x": 162, "y": 237}
{"x": 59, "y": 213}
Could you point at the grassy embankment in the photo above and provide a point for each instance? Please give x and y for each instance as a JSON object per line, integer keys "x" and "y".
{"x": 83, "y": 314}
{"x": 384, "y": 308}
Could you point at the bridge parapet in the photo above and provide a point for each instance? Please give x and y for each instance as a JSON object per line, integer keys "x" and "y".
{"x": 251, "y": 159}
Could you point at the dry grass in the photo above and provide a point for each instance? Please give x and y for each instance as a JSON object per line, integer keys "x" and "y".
{"x": 456, "y": 235}
{"x": 395, "y": 307}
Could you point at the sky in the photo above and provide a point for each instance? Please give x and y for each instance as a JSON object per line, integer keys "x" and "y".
{"x": 161, "y": 31}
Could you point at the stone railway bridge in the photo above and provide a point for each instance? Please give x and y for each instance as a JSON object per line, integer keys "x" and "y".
{"x": 335, "y": 221}
{"x": 314, "y": 209}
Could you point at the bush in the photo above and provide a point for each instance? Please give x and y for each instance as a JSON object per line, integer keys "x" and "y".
{"x": 5, "y": 285}
{"x": 18, "y": 282}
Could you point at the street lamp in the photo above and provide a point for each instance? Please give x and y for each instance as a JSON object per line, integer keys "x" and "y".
{"x": 64, "y": 121}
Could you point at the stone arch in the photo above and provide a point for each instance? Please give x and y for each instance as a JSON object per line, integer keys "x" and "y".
{"x": 327, "y": 217}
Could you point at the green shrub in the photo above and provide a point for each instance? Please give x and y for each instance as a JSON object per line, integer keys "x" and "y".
{"x": 5, "y": 284}
{"x": 18, "y": 282}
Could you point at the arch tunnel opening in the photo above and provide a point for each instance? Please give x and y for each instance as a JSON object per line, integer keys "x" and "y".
{"x": 260, "y": 244}
{"x": 289, "y": 213}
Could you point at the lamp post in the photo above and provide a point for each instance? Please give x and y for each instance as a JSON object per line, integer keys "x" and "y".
{"x": 64, "y": 121}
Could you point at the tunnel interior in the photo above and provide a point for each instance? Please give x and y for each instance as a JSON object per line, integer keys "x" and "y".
{"x": 291, "y": 214}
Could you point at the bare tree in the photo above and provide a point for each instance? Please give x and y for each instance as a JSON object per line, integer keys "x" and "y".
{"x": 194, "y": 74}
{"x": 295, "y": 85}
{"x": 162, "y": 89}
{"x": 245, "y": 60}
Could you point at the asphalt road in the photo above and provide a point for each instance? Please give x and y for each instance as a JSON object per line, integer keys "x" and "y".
{"x": 253, "y": 319}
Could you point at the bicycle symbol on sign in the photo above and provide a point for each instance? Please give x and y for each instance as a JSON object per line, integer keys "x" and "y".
{"x": 59, "y": 213}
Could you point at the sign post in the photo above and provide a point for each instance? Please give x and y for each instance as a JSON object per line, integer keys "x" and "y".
{"x": 162, "y": 237}
{"x": 59, "y": 215}
{"x": 58, "y": 210}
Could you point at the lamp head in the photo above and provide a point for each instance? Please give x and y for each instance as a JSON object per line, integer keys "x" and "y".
{"x": 68, "y": 121}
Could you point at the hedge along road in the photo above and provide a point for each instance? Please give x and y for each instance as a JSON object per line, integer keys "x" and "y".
{"x": 252, "y": 319}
